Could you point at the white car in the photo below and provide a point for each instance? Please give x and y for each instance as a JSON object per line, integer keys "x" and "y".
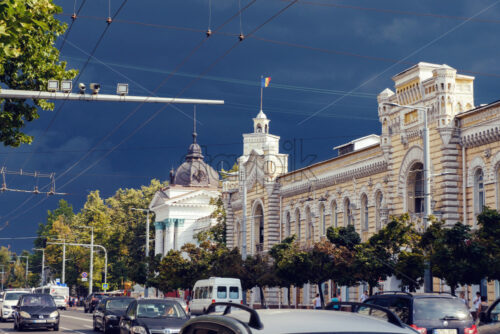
{"x": 215, "y": 290}
{"x": 241, "y": 319}
{"x": 9, "y": 300}
{"x": 60, "y": 302}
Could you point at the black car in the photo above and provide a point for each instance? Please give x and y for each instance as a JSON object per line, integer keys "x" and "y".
{"x": 489, "y": 320}
{"x": 153, "y": 316}
{"x": 36, "y": 311}
{"x": 108, "y": 312}
{"x": 428, "y": 313}
{"x": 90, "y": 303}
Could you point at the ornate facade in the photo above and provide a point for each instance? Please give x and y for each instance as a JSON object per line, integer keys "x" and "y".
{"x": 376, "y": 176}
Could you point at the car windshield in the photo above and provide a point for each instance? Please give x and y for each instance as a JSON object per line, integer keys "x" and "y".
{"x": 160, "y": 310}
{"x": 118, "y": 304}
{"x": 13, "y": 296}
{"x": 39, "y": 300}
{"x": 440, "y": 308}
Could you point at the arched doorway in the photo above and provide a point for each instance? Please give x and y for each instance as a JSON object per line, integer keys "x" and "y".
{"x": 415, "y": 188}
{"x": 258, "y": 221}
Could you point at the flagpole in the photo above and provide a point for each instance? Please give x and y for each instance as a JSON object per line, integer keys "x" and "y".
{"x": 261, "y": 91}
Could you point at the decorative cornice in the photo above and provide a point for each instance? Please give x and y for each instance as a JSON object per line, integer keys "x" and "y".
{"x": 344, "y": 174}
{"x": 481, "y": 135}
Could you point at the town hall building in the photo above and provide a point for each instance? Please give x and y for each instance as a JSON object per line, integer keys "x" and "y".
{"x": 374, "y": 177}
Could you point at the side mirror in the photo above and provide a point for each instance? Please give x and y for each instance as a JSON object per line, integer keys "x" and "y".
{"x": 483, "y": 317}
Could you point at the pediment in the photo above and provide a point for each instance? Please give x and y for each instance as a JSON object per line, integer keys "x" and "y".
{"x": 197, "y": 197}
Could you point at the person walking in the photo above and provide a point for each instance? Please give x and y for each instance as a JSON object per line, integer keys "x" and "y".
{"x": 462, "y": 298}
{"x": 336, "y": 299}
{"x": 317, "y": 302}
{"x": 363, "y": 297}
{"x": 476, "y": 303}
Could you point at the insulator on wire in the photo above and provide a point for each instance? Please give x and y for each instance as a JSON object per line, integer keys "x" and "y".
{"x": 73, "y": 17}
{"x": 209, "y": 32}
{"x": 241, "y": 37}
{"x": 109, "y": 20}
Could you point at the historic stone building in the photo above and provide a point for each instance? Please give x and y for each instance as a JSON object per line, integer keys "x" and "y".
{"x": 183, "y": 208}
{"x": 376, "y": 176}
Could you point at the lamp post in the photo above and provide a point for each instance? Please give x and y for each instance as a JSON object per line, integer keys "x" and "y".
{"x": 43, "y": 264}
{"x": 147, "y": 211}
{"x": 91, "y": 256}
{"x": 427, "y": 182}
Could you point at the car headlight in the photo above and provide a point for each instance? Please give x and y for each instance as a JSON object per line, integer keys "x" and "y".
{"x": 24, "y": 314}
{"x": 111, "y": 317}
{"x": 139, "y": 330}
{"x": 54, "y": 314}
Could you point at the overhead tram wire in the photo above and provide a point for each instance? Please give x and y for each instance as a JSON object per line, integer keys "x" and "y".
{"x": 193, "y": 51}
{"x": 64, "y": 101}
{"x": 286, "y": 43}
{"x": 161, "y": 109}
{"x": 61, "y": 106}
{"x": 74, "y": 16}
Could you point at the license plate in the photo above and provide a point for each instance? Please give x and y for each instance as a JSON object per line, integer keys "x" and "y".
{"x": 40, "y": 321}
{"x": 445, "y": 331}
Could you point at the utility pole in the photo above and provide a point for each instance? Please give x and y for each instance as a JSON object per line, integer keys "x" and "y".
{"x": 64, "y": 263}
{"x": 91, "y": 257}
{"x": 43, "y": 264}
{"x": 3, "y": 272}
{"x": 147, "y": 211}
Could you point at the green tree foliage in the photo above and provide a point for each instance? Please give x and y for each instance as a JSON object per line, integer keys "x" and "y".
{"x": 343, "y": 236}
{"x": 454, "y": 254}
{"x": 28, "y": 59}
{"x": 258, "y": 272}
{"x": 487, "y": 243}
{"x": 216, "y": 233}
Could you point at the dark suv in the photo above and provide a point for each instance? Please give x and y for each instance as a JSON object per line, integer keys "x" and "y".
{"x": 428, "y": 313}
{"x": 90, "y": 303}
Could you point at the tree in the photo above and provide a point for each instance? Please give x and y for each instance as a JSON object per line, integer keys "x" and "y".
{"x": 28, "y": 59}
{"x": 488, "y": 240}
{"x": 454, "y": 255}
{"x": 258, "y": 272}
{"x": 291, "y": 264}
{"x": 216, "y": 233}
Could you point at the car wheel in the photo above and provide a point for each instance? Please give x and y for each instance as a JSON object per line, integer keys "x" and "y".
{"x": 95, "y": 326}
{"x": 20, "y": 327}
{"x": 56, "y": 328}
{"x": 105, "y": 328}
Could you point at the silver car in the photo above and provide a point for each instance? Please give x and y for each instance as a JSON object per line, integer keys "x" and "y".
{"x": 241, "y": 319}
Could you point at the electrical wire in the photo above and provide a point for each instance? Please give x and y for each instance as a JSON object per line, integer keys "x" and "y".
{"x": 124, "y": 120}
{"x": 73, "y": 16}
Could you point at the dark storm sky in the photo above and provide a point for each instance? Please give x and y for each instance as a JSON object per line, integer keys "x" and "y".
{"x": 328, "y": 61}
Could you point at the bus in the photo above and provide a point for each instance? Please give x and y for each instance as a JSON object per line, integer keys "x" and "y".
{"x": 54, "y": 290}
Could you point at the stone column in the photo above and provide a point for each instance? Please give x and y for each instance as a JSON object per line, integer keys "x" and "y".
{"x": 159, "y": 237}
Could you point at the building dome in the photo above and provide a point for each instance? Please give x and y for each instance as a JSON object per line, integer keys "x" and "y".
{"x": 195, "y": 172}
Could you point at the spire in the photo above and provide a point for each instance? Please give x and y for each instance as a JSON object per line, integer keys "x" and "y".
{"x": 194, "y": 125}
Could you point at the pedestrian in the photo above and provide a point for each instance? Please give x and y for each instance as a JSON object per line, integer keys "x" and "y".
{"x": 70, "y": 302}
{"x": 336, "y": 299}
{"x": 462, "y": 297}
{"x": 317, "y": 302}
{"x": 483, "y": 306}
{"x": 476, "y": 303}
{"x": 363, "y": 297}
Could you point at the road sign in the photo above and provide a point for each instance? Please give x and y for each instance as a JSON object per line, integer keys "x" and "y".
{"x": 84, "y": 279}
{"x": 105, "y": 286}
{"x": 84, "y": 275}
{"x": 58, "y": 280}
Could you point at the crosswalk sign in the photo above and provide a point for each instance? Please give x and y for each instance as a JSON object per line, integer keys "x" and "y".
{"x": 105, "y": 286}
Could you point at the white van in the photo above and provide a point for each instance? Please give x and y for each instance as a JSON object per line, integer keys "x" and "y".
{"x": 10, "y": 298}
{"x": 214, "y": 290}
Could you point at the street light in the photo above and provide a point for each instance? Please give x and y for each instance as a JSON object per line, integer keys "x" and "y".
{"x": 91, "y": 256}
{"x": 147, "y": 211}
{"x": 427, "y": 184}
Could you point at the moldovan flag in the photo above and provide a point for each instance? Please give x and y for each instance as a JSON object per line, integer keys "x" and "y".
{"x": 264, "y": 82}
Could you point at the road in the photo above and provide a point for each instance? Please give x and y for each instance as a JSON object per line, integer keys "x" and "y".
{"x": 71, "y": 322}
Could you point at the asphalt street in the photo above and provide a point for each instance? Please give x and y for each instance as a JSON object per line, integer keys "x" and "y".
{"x": 71, "y": 322}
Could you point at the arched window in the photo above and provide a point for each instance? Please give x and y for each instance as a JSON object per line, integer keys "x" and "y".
{"x": 297, "y": 224}
{"x": 309, "y": 225}
{"x": 364, "y": 212}
{"x": 287, "y": 225}
{"x": 258, "y": 217}
{"x": 378, "y": 205}
{"x": 415, "y": 186}
{"x": 347, "y": 212}
{"x": 479, "y": 198}
{"x": 334, "y": 217}
{"x": 498, "y": 186}
{"x": 322, "y": 218}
